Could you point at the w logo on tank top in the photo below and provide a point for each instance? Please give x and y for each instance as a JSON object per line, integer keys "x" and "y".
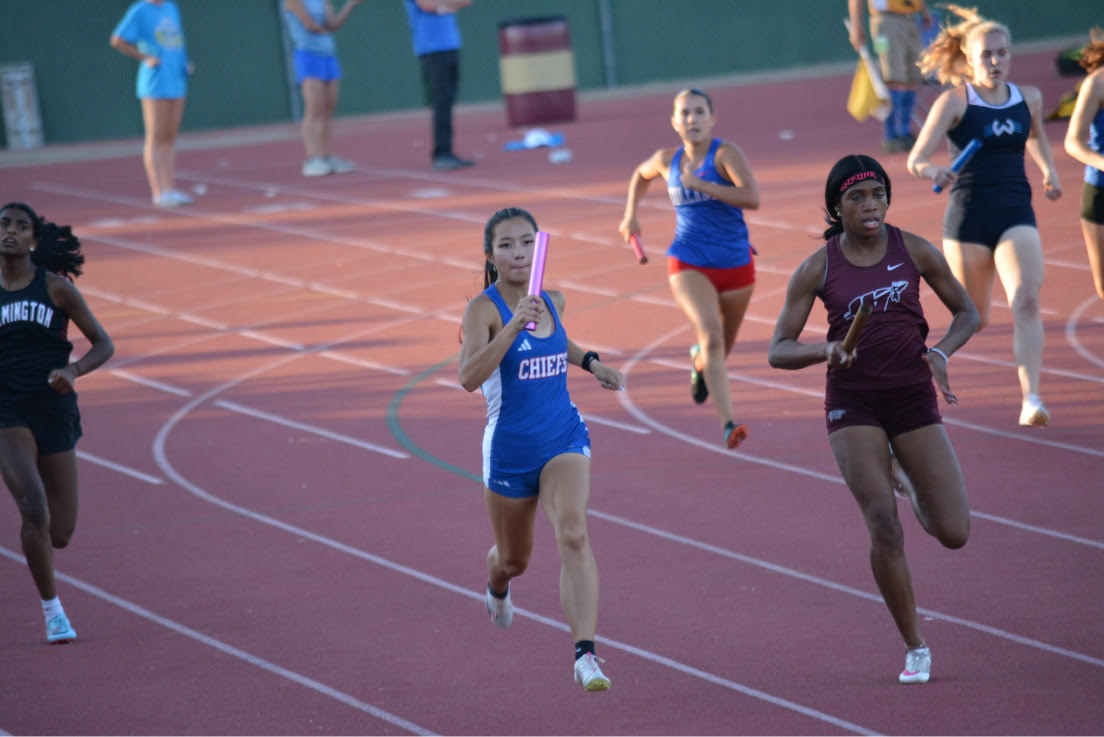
{"x": 1007, "y": 128}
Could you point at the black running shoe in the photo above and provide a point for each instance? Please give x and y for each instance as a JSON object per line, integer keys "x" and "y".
{"x": 698, "y": 390}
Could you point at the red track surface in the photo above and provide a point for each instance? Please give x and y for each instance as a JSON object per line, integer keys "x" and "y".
{"x": 259, "y": 566}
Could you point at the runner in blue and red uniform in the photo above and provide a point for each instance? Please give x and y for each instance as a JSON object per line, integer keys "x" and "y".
{"x": 989, "y": 227}
{"x": 709, "y": 264}
{"x": 39, "y": 420}
{"x": 880, "y": 395}
{"x": 536, "y": 448}
{"x": 1085, "y": 142}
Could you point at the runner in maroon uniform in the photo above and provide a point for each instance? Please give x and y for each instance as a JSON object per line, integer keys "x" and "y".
{"x": 880, "y": 395}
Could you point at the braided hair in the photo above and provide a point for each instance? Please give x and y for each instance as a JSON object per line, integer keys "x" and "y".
{"x": 57, "y": 249}
{"x": 846, "y": 172}
{"x": 490, "y": 273}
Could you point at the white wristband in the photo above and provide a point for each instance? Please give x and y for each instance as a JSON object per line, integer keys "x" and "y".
{"x": 946, "y": 358}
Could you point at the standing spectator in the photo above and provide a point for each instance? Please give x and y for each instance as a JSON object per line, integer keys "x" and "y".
{"x": 898, "y": 45}
{"x": 151, "y": 33}
{"x": 311, "y": 24}
{"x": 436, "y": 39}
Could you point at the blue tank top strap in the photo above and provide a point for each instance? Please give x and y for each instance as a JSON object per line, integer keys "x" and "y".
{"x": 1095, "y": 176}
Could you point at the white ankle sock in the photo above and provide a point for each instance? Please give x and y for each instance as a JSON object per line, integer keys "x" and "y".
{"x": 51, "y": 608}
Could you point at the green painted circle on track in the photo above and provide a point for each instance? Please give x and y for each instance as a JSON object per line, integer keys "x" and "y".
{"x": 405, "y": 440}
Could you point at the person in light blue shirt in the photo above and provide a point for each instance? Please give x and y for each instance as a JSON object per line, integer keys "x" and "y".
{"x": 436, "y": 39}
{"x": 151, "y": 32}
{"x": 310, "y": 25}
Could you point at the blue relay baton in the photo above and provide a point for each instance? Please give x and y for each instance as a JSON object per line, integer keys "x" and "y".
{"x": 959, "y": 162}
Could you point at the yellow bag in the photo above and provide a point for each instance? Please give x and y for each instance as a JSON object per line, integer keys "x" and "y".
{"x": 863, "y": 101}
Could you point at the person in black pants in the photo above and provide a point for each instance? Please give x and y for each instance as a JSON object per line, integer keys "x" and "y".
{"x": 436, "y": 39}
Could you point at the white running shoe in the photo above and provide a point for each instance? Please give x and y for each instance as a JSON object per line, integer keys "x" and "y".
{"x": 1034, "y": 414}
{"x": 58, "y": 630}
{"x": 340, "y": 166}
{"x": 917, "y": 666}
{"x": 317, "y": 167}
{"x": 501, "y": 610}
{"x": 589, "y": 675}
{"x": 181, "y": 198}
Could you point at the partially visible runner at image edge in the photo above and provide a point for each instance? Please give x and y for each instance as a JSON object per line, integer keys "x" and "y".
{"x": 709, "y": 264}
{"x": 536, "y": 447}
{"x": 989, "y": 226}
{"x": 879, "y": 396}
{"x": 39, "y": 419}
{"x": 310, "y": 25}
{"x": 1085, "y": 142}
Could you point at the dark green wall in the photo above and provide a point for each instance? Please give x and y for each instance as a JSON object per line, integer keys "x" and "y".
{"x": 86, "y": 89}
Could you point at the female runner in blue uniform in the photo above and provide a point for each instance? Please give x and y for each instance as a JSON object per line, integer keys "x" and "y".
{"x": 709, "y": 264}
{"x": 535, "y": 446}
{"x": 882, "y": 390}
{"x": 1085, "y": 142}
{"x": 39, "y": 421}
{"x": 989, "y": 226}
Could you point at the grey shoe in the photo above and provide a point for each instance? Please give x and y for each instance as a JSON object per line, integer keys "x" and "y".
{"x": 448, "y": 162}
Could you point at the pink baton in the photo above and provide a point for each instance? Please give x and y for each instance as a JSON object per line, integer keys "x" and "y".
{"x": 638, "y": 249}
{"x": 536, "y": 269}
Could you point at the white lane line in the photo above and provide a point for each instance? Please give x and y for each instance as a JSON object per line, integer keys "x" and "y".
{"x": 198, "y": 213}
{"x": 1071, "y": 333}
{"x": 232, "y": 651}
{"x": 341, "y": 438}
{"x": 1024, "y": 436}
{"x": 161, "y": 457}
{"x": 117, "y": 467}
{"x": 842, "y": 588}
{"x": 626, "y": 401}
{"x": 76, "y": 192}
{"x": 619, "y": 425}
{"x": 450, "y": 383}
{"x": 272, "y": 339}
{"x": 152, "y": 383}
{"x": 336, "y": 356}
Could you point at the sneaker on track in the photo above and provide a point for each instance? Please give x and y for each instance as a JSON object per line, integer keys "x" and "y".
{"x": 317, "y": 167}
{"x": 917, "y": 666}
{"x": 340, "y": 166}
{"x": 589, "y": 675}
{"x": 501, "y": 610}
{"x": 698, "y": 390}
{"x": 58, "y": 630}
{"x": 734, "y": 434}
{"x": 1034, "y": 414}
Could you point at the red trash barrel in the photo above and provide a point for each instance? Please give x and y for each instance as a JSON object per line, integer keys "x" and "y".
{"x": 538, "y": 70}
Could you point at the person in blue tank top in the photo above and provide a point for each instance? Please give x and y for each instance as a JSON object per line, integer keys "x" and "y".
{"x": 879, "y": 401}
{"x": 39, "y": 419}
{"x": 1085, "y": 142}
{"x": 151, "y": 32}
{"x": 310, "y": 25}
{"x": 989, "y": 226}
{"x": 536, "y": 448}
{"x": 709, "y": 264}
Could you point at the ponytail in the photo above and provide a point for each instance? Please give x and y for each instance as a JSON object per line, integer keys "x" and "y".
{"x": 56, "y": 248}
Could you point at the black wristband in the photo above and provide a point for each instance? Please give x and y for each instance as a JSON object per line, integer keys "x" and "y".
{"x": 588, "y": 358}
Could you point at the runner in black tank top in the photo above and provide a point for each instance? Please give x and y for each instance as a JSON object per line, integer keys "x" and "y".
{"x": 989, "y": 226}
{"x": 39, "y": 421}
{"x": 879, "y": 396}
